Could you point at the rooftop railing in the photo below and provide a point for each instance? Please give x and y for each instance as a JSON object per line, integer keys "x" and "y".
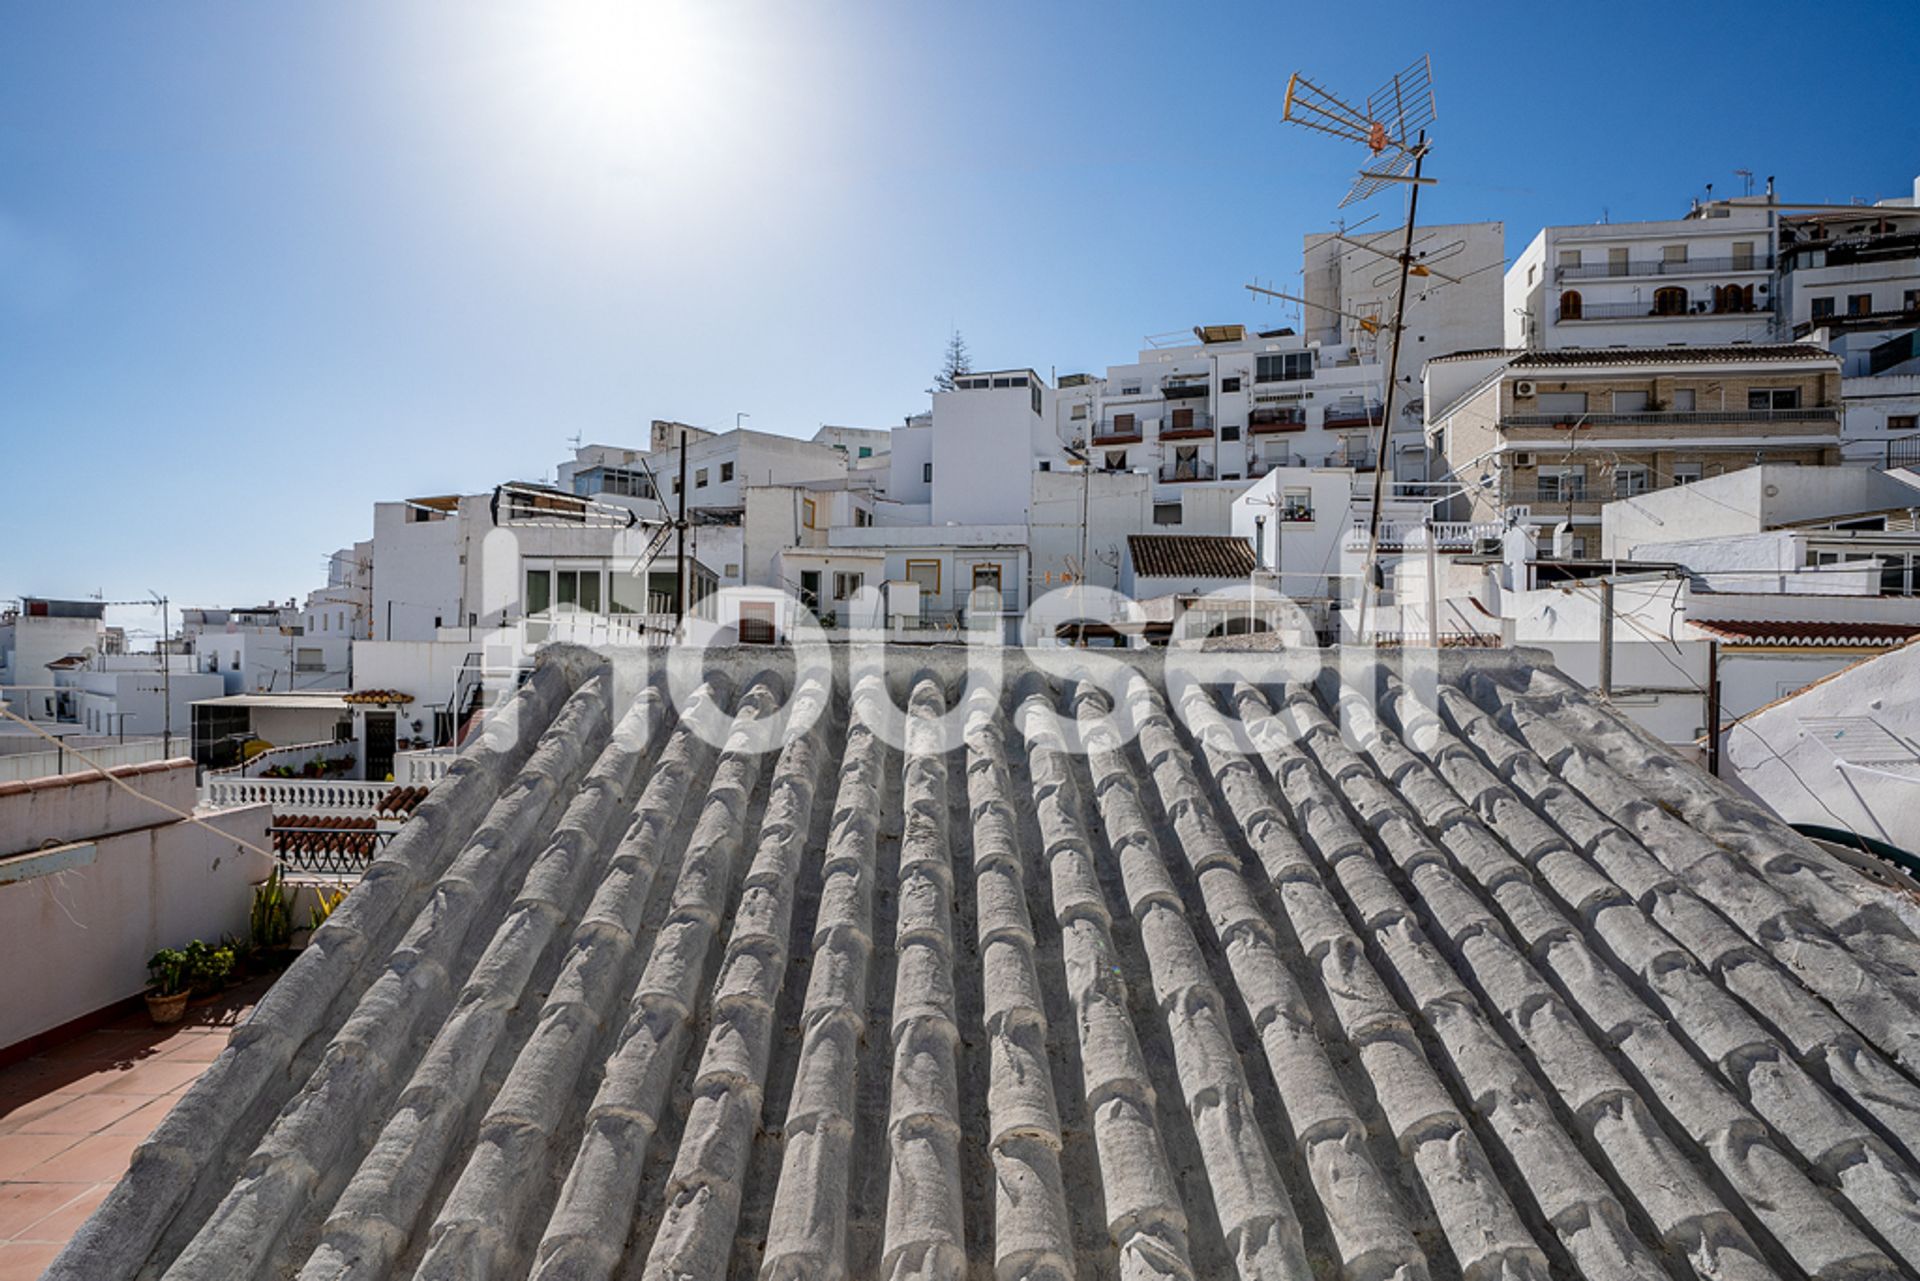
{"x": 1662, "y": 267}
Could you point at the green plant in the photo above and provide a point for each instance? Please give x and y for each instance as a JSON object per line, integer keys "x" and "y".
{"x": 206, "y": 967}
{"x": 324, "y": 901}
{"x": 168, "y": 971}
{"x": 270, "y": 922}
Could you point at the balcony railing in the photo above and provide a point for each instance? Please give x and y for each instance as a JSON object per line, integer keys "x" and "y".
{"x": 1352, "y": 415}
{"x": 1197, "y": 423}
{"x": 1359, "y": 460}
{"x": 1273, "y": 422}
{"x": 295, "y": 795}
{"x": 1183, "y": 389}
{"x": 1695, "y": 309}
{"x": 1200, "y": 470}
{"x": 1904, "y": 452}
{"x": 1111, "y": 433}
{"x": 1679, "y": 418}
{"x": 1551, "y": 500}
{"x": 1656, "y": 267}
{"x": 1261, "y": 466}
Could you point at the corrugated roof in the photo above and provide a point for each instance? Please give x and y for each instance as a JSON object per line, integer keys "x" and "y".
{"x": 1191, "y": 555}
{"x": 1750, "y": 631}
{"x": 1486, "y": 985}
{"x": 1571, "y": 357}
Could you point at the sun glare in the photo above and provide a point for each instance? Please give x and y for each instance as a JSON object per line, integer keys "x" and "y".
{"x": 625, "y": 74}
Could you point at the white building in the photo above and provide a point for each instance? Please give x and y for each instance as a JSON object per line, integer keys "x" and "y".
{"x": 1706, "y": 279}
{"x": 132, "y": 694}
{"x": 1454, "y": 306}
{"x": 40, "y": 632}
{"x": 1850, "y": 281}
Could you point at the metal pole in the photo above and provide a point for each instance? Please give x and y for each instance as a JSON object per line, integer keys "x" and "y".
{"x": 1713, "y": 708}
{"x": 1393, "y": 377}
{"x": 1606, "y": 639}
{"x": 680, "y": 541}
{"x": 166, "y": 679}
{"x": 1433, "y": 590}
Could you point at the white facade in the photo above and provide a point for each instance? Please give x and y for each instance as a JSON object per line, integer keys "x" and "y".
{"x": 131, "y": 695}
{"x": 1344, "y": 281}
{"x": 40, "y": 632}
{"x": 1703, "y": 280}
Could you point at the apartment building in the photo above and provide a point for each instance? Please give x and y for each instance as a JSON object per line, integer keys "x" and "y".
{"x": 1850, "y": 282}
{"x": 1551, "y": 435}
{"x": 1453, "y": 303}
{"x": 1703, "y": 280}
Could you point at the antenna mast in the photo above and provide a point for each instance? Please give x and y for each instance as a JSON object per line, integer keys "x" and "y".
{"x": 1392, "y": 125}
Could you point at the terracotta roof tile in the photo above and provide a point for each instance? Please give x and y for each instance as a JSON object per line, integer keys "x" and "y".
{"x": 1191, "y": 555}
{"x": 1808, "y": 632}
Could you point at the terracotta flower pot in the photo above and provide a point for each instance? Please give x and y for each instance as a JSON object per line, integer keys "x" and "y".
{"x": 167, "y": 1009}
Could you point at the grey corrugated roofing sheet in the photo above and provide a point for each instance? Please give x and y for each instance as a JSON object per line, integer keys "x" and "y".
{"x": 1489, "y": 985}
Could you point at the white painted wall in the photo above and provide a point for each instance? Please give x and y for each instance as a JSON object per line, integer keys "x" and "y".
{"x": 417, "y": 576}
{"x": 1772, "y": 755}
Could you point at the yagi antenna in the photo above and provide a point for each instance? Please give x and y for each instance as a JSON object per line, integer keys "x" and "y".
{"x": 1392, "y": 125}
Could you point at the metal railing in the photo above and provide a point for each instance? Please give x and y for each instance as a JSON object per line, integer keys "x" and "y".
{"x": 1198, "y": 421}
{"x": 1365, "y": 460}
{"x": 1549, "y": 499}
{"x": 1695, "y": 308}
{"x": 1904, "y": 452}
{"x": 1352, "y": 415}
{"x": 1679, "y": 418}
{"x": 1658, "y": 267}
{"x": 1110, "y": 433}
{"x": 341, "y": 852}
{"x": 1261, "y": 466}
{"x": 1269, "y": 423}
{"x": 1201, "y": 470}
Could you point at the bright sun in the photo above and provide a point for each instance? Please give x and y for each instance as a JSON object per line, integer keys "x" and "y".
{"x": 629, "y": 70}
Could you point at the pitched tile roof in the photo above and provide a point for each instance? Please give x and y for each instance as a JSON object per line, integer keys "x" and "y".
{"x": 1793, "y": 632}
{"x": 1191, "y": 555}
{"x": 1489, "y": 985}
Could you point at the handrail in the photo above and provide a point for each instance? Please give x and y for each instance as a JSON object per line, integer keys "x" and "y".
{"x": 1660, "y": 267}
{"x": 303, "y": 794}
{"x": 1678, "y": 418}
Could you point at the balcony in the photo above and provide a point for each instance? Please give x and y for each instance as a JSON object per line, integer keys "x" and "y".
{"x": 1904, "y": 452}
{"x": 1358, "y": 459}
{"x": 1184, "y": 389}
{"x": 1187, "y": 424}
{"x": 1125, "y": 431}
{"x": 1257, "y": 467}
{"x": 1679, "y": 418}
{"x": 1656, "y": 267}
{"x": 1352, "y": 414}
{"x": 1552, "y": 502}
{"x": 1693, "y": 309}
{"x": 1200, "y": 469}
{"x": 1272, "y": 422}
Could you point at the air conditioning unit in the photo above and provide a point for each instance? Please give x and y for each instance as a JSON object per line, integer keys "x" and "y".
{"x": 1523, "y": 388}
{"x": 1523, "y": 460}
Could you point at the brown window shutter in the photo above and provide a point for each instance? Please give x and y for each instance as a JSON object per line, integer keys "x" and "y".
{"x": 1183, "y": 418}
{"x": 1122, "y": 424}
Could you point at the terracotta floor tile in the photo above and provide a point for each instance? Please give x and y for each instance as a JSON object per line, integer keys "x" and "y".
{"x": 194, "y": 1048}
{"x": 143, "y": 1122}
{"x": 25, "y": 1261}
{"x": 83, "y": 1114}
{"x": 24, "y": 1204}
{"x": 152, "y": 1078}
{"x": 60, "y": 1226}
{"x": 104, "y": 1047}
{"x": 17, "y": 1110}
{"x": 21, "y": 1152}
{"x": 97, "y": 1157}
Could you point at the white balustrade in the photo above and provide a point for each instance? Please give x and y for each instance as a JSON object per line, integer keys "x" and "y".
{"x": 295, "y": 795}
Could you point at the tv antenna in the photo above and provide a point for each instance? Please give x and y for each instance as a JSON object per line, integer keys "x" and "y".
{"x": 1392, "y": 125}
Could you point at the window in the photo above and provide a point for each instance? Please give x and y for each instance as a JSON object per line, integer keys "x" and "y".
{"x": 1230, "y": 384}
{"x": 1670, "y": 300}
{"x": 1296, "y": 505}
{"x": 1116, "y": 460}
{"x": 1617, "y": 262}
{"x": 985, "y": 576}
{"x": 576, "y": 590}
{"x": 1123, "y": 424}
{"x": 1046, "y": 464}
{"x": 699, "y": 478}
{"x": 1683, "y": 400}
{"x": 846, "y": 585}
{"x": 1743, "y": 255}
{"x": 1673, "y": 253}
{"x": 810, "y": 588}
{"x": 539, "y": 592}
{"x": 235, "y": 666}
{"x": 926, "y": 573}
{"x": 1285, "y": 366}
{"x": 1569, "y": 258}
{"x": 1822, "y": 308}
{"x": 1630, "y": 402}
{"x": 309, "y": 660}
{"x": 1563, "y": 404}
{"x": 1686, "y": 473}
{"x": 1563, "y": 483}
{"x": 807, "y": 513}
{"x": 1077, "y": 412}
{"x": 1733, "y": 298}
{"x": 1570, "y": 305}
{"x": 1230, "y": 433}
{"x": 726, "y": 470}
{"x": 1630, "y": 479}
{"x": 1859, "y": 304}
{"x": 1773, "y": 398}
{"x": 926, "y": 473}
{"x": 1910, "y": 300}
{"x": 862, "y": 518}
{"x": 1167, "y": 513}
{"x": 1902, "y": 422}
{"x": 1181, "y": 419}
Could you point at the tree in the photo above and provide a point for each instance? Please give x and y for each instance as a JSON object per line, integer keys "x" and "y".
{"x": 955, "y": 363}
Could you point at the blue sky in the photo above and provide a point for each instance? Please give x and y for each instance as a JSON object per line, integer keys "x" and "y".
{"x": 262, "y": 265}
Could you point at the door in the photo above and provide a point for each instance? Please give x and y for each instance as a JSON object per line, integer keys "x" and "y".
{"x": 810, "y": 588}
{"x": 756, "y": 623}
{"x": 379, "y": 746}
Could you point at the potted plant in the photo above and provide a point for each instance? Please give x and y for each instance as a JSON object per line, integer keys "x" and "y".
{"x": 270, "y": 922}
{"x": 167, "y": 989}
{"x": 206, "y": 968}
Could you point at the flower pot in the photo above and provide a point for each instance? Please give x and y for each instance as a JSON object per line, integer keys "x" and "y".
{"x": 167, "y": 1009}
